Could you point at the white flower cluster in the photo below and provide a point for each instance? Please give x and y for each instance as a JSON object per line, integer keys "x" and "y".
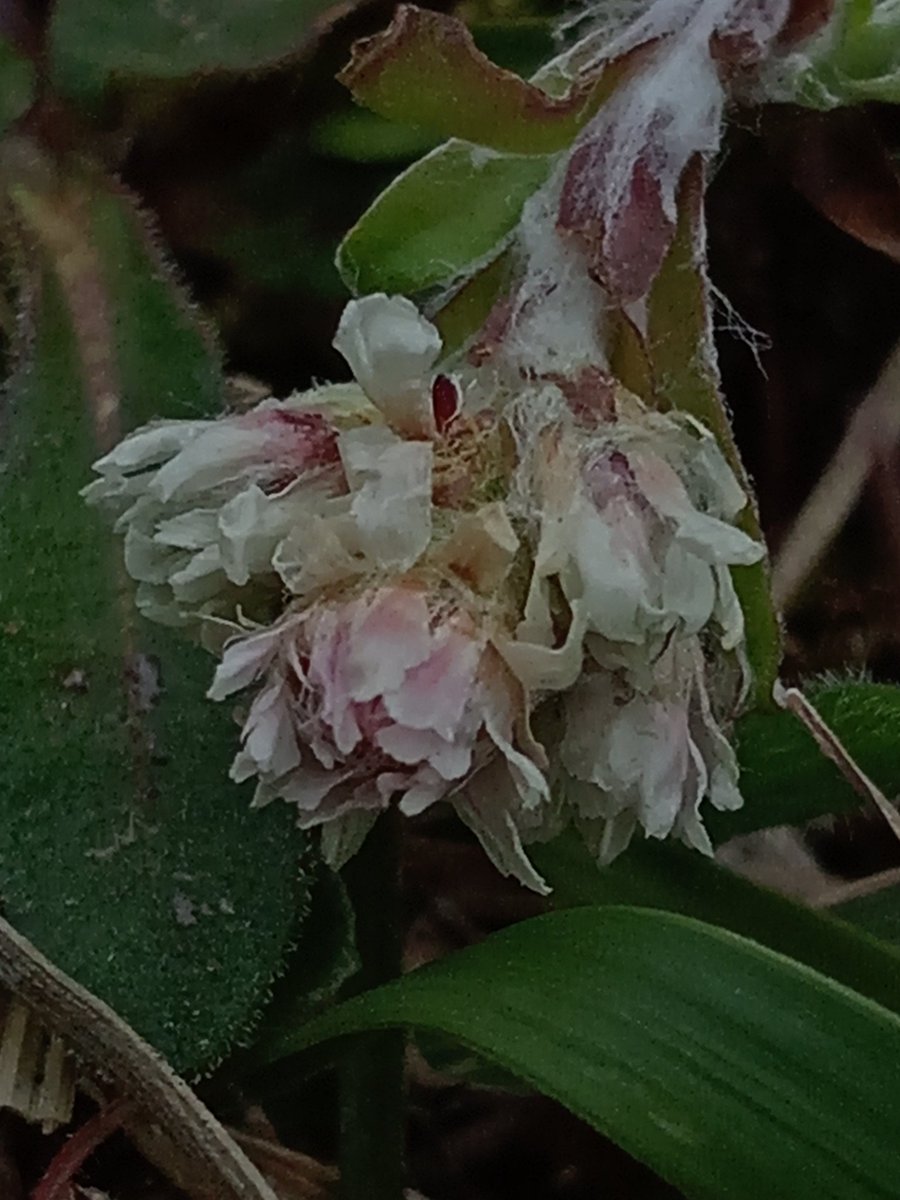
{"x": 412, "y": 571}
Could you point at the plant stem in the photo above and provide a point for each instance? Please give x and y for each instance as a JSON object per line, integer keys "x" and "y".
{"x": 373, "y": 1125}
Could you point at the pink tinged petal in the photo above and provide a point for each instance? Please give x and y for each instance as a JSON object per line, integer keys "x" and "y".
{"x": 411, "y": 747}
{"x": 392, "y": 349}
{"x": 434, "y": 693}
{"x": 388, "y": 635}
{"x": 709, "y": 538}
{"x": 391, "y": 484}
{"x": 327, "y": 671}
{"x": 243, "y": 661}
{"x": 299, "y": 439}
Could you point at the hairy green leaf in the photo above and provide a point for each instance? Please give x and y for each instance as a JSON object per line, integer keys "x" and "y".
{"x": 126, "y": 854}
{"x": 729, "y": 1069}
{"x": 442, "y": 220}
{"x": 425, "y": 68}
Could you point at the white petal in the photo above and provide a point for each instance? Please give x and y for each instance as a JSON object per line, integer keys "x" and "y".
{"x": 243, "y": 661}
{"x": 218, "y": 455}
{"x": 613, "y": 574}
{"x": 391, "y": 350}
{"x": 147, "y": 561}
{"x": 391, "y": 481}
{"x": 150, "y": 446}
{"x": 728, "y": 610}
{"x": 434, "y": 694}
{"x": 191, "y": 530}
{"x": 689, "y": 588}
{"x": 200, "y": 579}
{"x": 547, "y": 668}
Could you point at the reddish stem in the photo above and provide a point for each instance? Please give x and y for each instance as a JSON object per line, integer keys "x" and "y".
{"x": 56, "y": 1182}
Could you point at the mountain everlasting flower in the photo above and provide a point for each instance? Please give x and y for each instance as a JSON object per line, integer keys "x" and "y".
{"x": 411, "y": 576}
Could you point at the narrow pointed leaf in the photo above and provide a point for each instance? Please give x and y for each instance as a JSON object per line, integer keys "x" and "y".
{"x": 670, "y": 877}
{"x": 729, "y": 1069}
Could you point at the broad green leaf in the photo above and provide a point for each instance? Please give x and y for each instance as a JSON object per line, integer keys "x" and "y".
{"x": 450, "y": 214}
{"x": 727, "y": 1068}
{"x": 785, "y": 779}
{"x": 126, "y": 854}
{"x": 878, "y": 914}
{"x": 667, "y": 876}
{"x": 425, "y": 68}
{"x": 685, "y": 377}
{"x": 17, "y": 78}
{"x": 92, "y": 41}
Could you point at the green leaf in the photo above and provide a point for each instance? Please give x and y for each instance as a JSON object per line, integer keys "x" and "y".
{"x": 126, "y": 854}
{"x": 729, "y": 1069}
{"x": 857, "y": 60}
{"x": 425, "y": 68}
{"x": 685, "y": 377}
{"x": 442, "y": 220}
{"x": 94, "y": 40}
{"x": 785, "y": 779}
{"x": 17, "y": 78}
{"x": 667, "y": 876}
